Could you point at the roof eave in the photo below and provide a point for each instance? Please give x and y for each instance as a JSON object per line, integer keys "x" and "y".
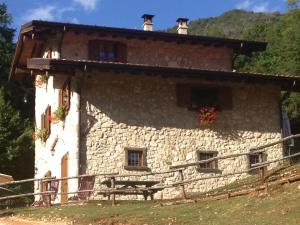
{"x": 287, "y": 83}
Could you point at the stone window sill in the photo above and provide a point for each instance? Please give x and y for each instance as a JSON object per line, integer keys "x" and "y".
{"x": 138, "y": 168}
{"x": 209, "y": 170}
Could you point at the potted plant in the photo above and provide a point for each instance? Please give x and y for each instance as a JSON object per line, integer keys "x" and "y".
{"x": 41, "y": 80}
{"x": 41, "y": 134}
{"x": 59, "y": 114}
{"x": 207, "y": 116}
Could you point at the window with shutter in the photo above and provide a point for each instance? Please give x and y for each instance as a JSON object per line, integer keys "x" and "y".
{"x": 107, "y": 51}
{"x": 46, "y": 122}
{"x": 65, "y": 96}
{"x": 195, "y": 97}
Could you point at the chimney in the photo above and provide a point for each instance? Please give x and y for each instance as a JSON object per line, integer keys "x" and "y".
{"x": 148, "y": 25}
{"x": 182, "y": 25}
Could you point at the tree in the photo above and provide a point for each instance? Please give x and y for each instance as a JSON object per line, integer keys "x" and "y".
{"x": 16, "y": 146}
{"x": 16, "y": 149}
{"x": 293, "y": 4}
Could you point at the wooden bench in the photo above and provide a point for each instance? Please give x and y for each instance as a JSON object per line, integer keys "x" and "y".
{"x": 130, "y": 187}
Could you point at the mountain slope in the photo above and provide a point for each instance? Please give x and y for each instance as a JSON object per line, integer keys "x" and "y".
{"x": 232, "y": 24}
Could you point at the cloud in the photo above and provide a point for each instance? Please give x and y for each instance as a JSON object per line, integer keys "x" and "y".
{"x": 88, "y": 5}
{"x": 244, "y": 5}
{"x": 47, "y": 12}
{"x": 262, "y": 7}
{"x": 41, "y": 13}
{"x": 255, "y": 6}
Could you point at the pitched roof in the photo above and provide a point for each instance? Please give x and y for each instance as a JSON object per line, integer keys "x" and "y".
{"x": 242, "y": 46}
{"x": 36, "y": 27}
{"x": 286, "y": 82}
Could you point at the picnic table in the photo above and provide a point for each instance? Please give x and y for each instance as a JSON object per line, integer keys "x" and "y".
{"x": 130, "y": 187}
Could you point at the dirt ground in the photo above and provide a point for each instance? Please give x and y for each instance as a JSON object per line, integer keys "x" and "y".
{"x": 21, "y": 221}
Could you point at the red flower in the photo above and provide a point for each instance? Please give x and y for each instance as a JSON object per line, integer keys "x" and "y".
{"x": 207, "y": 116}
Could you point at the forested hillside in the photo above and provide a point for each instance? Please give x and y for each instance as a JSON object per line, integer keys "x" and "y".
{"x": 232, "y": 24}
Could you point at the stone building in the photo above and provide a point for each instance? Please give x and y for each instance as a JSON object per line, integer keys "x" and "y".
{"x": 129, "y": 101}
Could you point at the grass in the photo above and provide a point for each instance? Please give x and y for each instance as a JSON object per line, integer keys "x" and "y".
{"x": 281, "y": 206}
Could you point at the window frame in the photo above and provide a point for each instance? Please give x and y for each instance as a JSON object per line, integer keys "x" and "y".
{"x": 262, "y": 157}
{"x": 143, "y": 151}
{"x": 224, "y": 96}
{"x": 214, "y": 169}
{"x": 119, "y": 50}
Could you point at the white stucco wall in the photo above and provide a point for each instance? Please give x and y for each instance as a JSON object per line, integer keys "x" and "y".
{"x": 66, "y": 132}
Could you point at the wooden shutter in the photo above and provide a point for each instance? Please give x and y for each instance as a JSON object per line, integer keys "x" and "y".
{"x": 225, "y": 98}
{"x": 94, "y": 50}
{"x": 43, "y": 121}
{"x": 183, "y": 93}
{"x": 60, "y": 98}
{"x": 66, "y": 95}
{"x": 48, "y": 121}
{"x": 121, "y": 52}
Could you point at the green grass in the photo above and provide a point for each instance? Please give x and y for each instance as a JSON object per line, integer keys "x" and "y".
{"x": 281, "y": 206}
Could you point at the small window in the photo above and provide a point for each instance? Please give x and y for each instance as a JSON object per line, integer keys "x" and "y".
{"x": 46, "y": 122}
{"x": 203, "y": 98}
{"x": 210, "y": 166}
{"x": 65, "y": 96}
{"x": 135, "y": 159}
{"x": 108, "y": 51}
{"x": 195, "y": 97}
{"x": 257, "y": 158}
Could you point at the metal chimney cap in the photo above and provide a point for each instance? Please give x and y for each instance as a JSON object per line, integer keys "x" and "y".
{"x": 180, "y": 19}
{"x": 147, "y": 16}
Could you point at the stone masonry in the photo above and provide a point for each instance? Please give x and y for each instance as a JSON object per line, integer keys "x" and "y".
{"x": 119, "y": 111}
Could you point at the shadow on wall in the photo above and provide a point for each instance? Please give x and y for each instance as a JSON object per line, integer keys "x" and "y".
{"x": 151, "y": 102}
{"x": 117, "y": 101}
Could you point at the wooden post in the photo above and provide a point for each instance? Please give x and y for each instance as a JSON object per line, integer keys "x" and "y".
{"x": 182, "y": 185}
{"x": 112, "y": 180}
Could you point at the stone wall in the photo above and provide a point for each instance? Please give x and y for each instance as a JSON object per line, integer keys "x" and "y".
{"x": 119, "y": 111}
{"x": 155, "y": 53}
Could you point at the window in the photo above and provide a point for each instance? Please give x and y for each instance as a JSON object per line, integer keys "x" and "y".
{"x": 135, "y": 159}
{"x": 107, "y": 51}
{"x": 194, "y": 97}
{"x": 257, "y": 158}
{"x": 203, "y": 98}
{"x": 46, "y": 122}
{"x": 65, "y": 96}
{"x": 210, "y": 166}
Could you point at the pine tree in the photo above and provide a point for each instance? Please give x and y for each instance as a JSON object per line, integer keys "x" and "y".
{"x": 16, "y": 146}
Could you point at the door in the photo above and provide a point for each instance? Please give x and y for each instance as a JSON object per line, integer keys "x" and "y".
{"x": 64, "y": 183}
{"x": 44, "y": 187}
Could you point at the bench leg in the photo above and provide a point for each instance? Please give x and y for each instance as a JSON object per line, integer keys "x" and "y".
{"x": 145, "y": 197}
{"x": 151, "y": 196}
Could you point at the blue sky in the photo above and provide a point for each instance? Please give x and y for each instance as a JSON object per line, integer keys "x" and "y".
{"x": 127, "y": 13}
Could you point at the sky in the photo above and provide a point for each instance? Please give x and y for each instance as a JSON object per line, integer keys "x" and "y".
{"x": 127, "y": 13}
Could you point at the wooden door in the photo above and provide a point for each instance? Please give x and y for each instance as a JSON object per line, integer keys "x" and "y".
{"x": 64, "y": 183}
